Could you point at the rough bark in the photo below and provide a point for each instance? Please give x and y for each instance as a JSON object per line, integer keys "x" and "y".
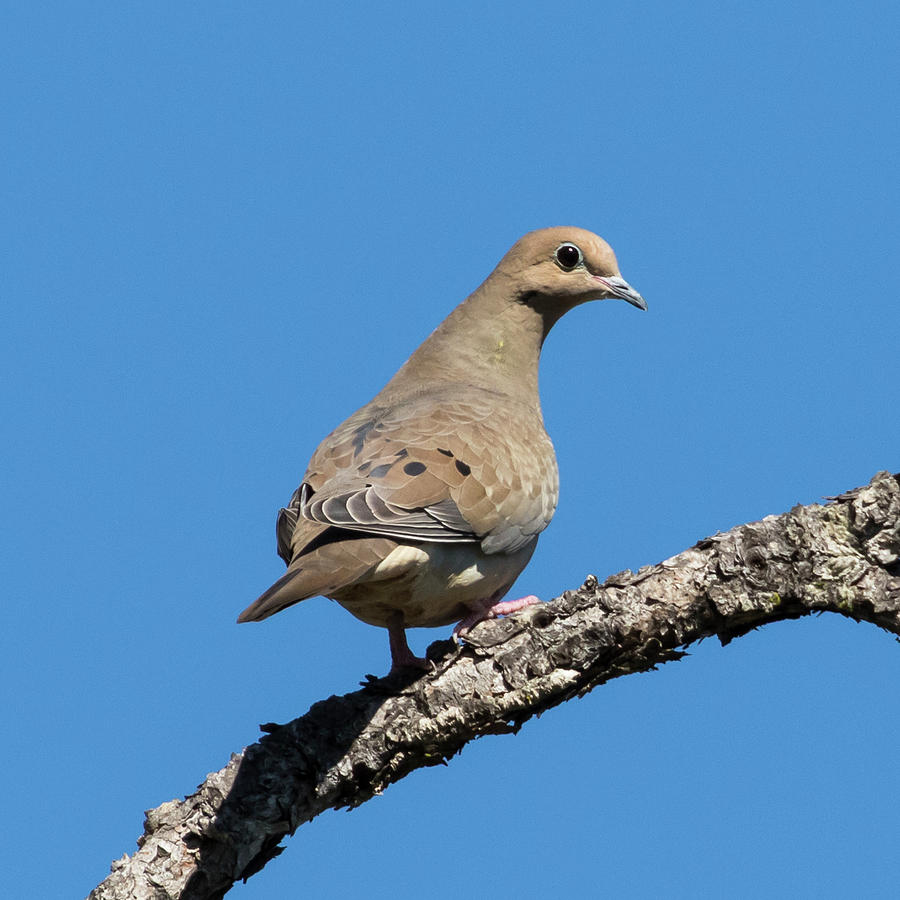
{"x": 842, "y": 557}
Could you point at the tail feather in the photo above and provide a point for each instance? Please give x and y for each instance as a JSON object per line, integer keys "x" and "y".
{"x": 284, "y": 593}
{"x": 328, "y": 569}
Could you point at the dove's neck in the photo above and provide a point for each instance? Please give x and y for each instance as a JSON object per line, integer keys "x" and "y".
{"x": 491, "y": 341}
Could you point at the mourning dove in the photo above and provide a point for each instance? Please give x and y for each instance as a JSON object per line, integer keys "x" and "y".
{"x": 425, "y": 505}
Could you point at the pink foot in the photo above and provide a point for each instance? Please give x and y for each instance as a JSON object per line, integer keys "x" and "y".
{"x": 489, "y": 609}
{"x": 401, "y": 656}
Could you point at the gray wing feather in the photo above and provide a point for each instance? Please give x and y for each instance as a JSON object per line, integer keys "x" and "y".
{"x": 364, "y": 510}
{"x": 284, "y": 529}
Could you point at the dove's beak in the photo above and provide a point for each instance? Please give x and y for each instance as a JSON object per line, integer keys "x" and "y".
{"x": 619, "y": 287}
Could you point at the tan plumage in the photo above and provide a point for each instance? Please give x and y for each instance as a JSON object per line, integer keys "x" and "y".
{"x": 425, "y": 505}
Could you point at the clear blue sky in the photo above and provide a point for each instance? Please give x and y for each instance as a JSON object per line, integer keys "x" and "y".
{"x": 225, "y": 226}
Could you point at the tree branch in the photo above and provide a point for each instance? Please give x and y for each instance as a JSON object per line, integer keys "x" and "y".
{"x": 843, "y": 557}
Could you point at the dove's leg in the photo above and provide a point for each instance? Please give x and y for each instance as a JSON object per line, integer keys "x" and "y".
{"x": 401, "y": 656}
{"x": 490, "y": 609}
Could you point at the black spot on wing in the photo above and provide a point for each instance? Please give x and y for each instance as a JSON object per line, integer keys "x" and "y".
{"x": 380, "y": 471}
{"x": 360, "y": 435}
{"x": 445, "y": 452}
{"x": 414, "y": 468}
{"x": 462, "y": 468}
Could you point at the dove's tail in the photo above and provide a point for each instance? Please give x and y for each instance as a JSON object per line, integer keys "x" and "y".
{"x": 284, "y": 593}
{"x": 327, "y": 570}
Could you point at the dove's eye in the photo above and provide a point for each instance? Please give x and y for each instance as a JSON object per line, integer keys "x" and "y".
{"x": 568, "y": 256}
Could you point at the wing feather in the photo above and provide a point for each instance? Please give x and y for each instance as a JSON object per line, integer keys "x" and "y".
{"x": 432, "y": 468}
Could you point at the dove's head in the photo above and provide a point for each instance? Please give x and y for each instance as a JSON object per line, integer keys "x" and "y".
{"x": 555, "y": 269}
{"x": 494, "y": 337}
